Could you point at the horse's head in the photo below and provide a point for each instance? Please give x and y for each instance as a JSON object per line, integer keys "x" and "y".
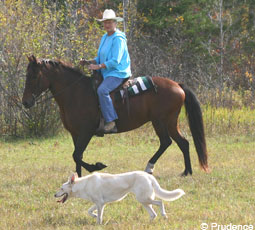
{"x": 36, "y": 82}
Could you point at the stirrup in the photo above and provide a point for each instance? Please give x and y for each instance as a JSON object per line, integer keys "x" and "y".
{"x": 111, "y": 129}
{"x": 100, "y": 129}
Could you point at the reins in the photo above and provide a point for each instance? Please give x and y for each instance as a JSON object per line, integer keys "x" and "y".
{"x": 53, "y": 95}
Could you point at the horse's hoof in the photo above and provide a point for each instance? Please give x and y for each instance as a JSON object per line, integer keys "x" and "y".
{"x": 100, "y": 166}
{"x": 185, "y": 173}
{"x": 149, "y": 168}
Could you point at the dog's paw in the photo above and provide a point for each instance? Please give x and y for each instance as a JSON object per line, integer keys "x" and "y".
{"x": 94, "y": 215}
{"x": 165, "y": 216}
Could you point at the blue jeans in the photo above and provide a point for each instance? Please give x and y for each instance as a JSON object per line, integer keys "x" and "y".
{"x": 103, "y": 91}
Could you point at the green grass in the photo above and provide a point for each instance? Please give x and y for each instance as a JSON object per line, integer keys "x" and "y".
{"x": 32, "y": 170}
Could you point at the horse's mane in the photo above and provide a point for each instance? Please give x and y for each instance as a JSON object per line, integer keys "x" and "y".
{"x": 47, "y": 63}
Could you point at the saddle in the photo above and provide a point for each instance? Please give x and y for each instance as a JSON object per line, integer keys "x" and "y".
{"x": 97, "y": 80}
{"x": 128, "y": 88}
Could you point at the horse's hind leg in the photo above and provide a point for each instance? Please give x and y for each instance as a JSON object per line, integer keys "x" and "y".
{"x": 183, "y": 145}
{"x": 165, "y": 141}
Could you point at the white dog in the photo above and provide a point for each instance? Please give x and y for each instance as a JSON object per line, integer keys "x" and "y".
{"x": 102, "y": 188}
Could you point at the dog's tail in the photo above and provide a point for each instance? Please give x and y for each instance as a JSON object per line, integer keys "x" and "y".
{"x": 165, "y": 194}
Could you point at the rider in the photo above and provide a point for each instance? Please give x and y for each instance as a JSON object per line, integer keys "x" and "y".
{"x": 113, "y": 62}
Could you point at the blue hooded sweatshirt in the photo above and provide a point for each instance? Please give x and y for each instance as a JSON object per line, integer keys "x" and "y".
{"x": 113, "y": 52}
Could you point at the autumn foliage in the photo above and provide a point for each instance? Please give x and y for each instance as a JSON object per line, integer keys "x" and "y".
{"x": 209, "y": 45}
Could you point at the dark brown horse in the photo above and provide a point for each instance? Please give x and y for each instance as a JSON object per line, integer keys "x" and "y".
{"x": 80, "y": 113}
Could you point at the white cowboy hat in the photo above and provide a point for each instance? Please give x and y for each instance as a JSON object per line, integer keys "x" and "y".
{"x": 110, "y": 15}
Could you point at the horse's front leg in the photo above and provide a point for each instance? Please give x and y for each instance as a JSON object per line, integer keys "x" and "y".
{"x": 80, "y": 144}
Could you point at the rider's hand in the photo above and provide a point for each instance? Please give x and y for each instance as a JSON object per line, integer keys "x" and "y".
{"x": 84, "y": 62}
{"x": 94, "y": 67}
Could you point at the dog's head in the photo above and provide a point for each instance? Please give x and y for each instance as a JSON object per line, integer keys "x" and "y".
{"x": 66, "y": 189}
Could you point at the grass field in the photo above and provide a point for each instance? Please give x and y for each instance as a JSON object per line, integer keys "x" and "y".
{"x": 31, "y": 171}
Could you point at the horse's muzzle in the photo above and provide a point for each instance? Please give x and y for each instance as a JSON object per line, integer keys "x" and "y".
{"x": 28, "y": 103}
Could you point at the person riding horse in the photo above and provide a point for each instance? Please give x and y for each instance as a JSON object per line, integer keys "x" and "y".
{"x": 113, "y": 62}
{"x": 79, "y": 109}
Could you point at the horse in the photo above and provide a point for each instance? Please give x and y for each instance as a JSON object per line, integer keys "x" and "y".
{"x": 80, "y": 112}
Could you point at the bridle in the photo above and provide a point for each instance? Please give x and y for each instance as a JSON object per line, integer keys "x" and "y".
{"x": 38, "y": 100}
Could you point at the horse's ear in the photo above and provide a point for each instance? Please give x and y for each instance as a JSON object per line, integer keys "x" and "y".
{"x": 29, "y": 58}
{"x": 32, "y": 58}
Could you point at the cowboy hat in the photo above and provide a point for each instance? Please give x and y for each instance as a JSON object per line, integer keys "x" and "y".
{"x": 110, "y": 15}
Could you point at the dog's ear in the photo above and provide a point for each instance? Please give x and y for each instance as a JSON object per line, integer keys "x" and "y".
{"x": 75, "y": 175}
{"x": 72, "y": 178}
{"x": 74, "y": 186}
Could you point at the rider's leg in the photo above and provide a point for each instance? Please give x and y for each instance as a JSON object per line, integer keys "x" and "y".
{"x": 108, "y": 111}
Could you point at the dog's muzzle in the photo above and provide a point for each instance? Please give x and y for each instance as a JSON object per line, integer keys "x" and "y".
{"x": 63, "y": 200}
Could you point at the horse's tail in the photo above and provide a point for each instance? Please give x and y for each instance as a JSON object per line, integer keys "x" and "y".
{"x": 195, "y": 119}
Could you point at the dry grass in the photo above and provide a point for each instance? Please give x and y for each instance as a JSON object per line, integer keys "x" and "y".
{"x": 32, "y": 170}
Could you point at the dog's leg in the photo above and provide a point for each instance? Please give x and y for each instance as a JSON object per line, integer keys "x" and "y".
{"x": 161, "y": 205}
{"x": 100, "y": 211}
{"x": 150, "y": 210}
{"x": 91, "y": 210}
{"x": 146, "y": 198}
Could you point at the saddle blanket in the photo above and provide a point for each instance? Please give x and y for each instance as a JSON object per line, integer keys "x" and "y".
{"x": 137, "y": 86}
